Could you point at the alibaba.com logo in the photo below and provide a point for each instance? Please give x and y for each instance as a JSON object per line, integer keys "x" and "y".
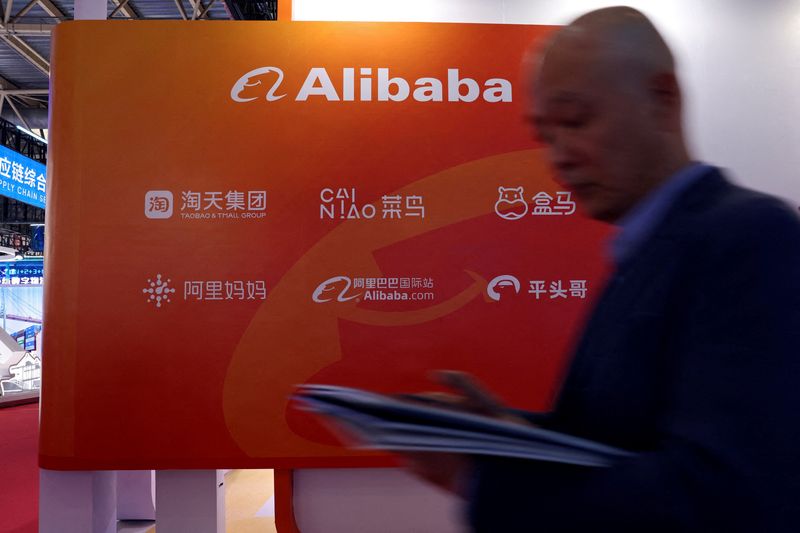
{"x": 334, "y": 288}
{"x": 257, "y": 78}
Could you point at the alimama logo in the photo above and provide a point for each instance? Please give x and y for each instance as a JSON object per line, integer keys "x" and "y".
{"x": 358, "y": 84}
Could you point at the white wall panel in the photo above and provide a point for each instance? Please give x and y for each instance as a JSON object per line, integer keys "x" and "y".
{"x": 739, "y": 60}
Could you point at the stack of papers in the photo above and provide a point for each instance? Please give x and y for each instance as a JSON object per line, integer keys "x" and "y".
{"x": 383, "y": 422}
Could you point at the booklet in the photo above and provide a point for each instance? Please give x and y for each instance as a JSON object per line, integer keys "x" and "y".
{"x": 382, "y": 422}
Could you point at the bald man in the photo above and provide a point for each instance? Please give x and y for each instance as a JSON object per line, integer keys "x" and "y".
{"x": 691, "y": 358}
{"x": 606, "y": 103}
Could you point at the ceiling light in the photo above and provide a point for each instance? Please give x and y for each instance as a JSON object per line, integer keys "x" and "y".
{"x": 29, "y": 132}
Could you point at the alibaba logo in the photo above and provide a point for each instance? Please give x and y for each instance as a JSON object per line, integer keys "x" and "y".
{"x": 325, "y": 291}
{"x": 257, "y": 78}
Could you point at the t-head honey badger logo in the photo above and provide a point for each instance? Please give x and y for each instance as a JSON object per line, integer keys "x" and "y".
{"x": 500, "y": 284}
{"x": 511, "y": 205}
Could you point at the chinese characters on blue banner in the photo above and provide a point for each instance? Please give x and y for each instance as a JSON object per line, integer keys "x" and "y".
{"x": 21, "y": 274}
{"x": 22, "y": 178}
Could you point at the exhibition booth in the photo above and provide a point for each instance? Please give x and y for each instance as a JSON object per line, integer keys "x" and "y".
{"x": 349, "y": 195}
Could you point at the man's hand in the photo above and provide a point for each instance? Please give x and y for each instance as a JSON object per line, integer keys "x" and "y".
{"x": 451, "y": 471}
{"x": 469, "y": 396}
{"x": 473, "y": 397}
{"x": 448, "y": 471}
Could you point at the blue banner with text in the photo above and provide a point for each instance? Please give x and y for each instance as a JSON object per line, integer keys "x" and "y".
{"x": 22, "y": 178}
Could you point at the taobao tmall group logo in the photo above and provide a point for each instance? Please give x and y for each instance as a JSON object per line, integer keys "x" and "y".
{"x": 235, "y": 204}
{"x": 158, "y": 204}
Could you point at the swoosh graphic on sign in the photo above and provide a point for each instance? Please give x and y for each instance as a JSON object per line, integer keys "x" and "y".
{"x": 300, "y": 337}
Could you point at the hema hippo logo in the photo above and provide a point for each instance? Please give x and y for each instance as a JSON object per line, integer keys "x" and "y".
{"x": 358, "y": 84}
{"x": 511, "y": 205}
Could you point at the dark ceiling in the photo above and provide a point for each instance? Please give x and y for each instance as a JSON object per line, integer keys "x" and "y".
{"x": 25, "y": 27}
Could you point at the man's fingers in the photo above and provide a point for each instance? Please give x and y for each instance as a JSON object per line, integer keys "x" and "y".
{"x": 442, "y": 399}
{"x": 477, "y": 397}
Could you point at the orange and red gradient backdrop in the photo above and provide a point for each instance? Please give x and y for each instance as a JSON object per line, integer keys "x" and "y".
{"x": 204, "y": 383}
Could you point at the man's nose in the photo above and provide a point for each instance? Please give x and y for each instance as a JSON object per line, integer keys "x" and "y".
{"x": 562, "y": 156}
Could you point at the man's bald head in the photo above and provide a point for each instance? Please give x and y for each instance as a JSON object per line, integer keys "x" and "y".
{"x": 607, "y": 104}
{"x": 619, "y": 39}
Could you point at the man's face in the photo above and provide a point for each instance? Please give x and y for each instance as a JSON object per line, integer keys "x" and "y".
{"x": 596, "y": 130}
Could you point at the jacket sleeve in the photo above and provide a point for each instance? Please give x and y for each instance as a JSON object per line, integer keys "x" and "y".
{"x": 728, "y": 457}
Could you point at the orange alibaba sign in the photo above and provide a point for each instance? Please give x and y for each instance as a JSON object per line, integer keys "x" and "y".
{"x": 238, "y": 208}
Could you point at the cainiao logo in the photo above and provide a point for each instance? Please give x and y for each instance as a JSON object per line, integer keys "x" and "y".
{"x": 247, "y": 85}
{"x": 335, "y": 288}
{"x": 367, "y": 84}
{"x": 500, "y": 284}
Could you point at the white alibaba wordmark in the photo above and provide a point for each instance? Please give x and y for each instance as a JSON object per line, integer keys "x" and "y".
{"x": 363, "y": 87}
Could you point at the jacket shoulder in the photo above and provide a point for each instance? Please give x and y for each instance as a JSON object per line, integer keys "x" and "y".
{"x": 720, "y": 211}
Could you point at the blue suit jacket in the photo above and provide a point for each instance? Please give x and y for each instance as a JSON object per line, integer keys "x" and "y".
{"x": 691, "y": 358}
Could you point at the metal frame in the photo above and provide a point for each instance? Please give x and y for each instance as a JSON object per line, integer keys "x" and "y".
{"x": 12, "y": 137}
{"x": 14, "y": 27}
{"x": 121, "y": 6}
{"x": 10, "y": 34}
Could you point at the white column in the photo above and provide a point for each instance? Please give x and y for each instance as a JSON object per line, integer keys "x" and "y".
{"x": 77, "y": 502}
{"x": 91, "y": 9}
{"x": 190, "y": 500}
{"x": 388, "y": 500}
{"x": 136, "y": 495}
